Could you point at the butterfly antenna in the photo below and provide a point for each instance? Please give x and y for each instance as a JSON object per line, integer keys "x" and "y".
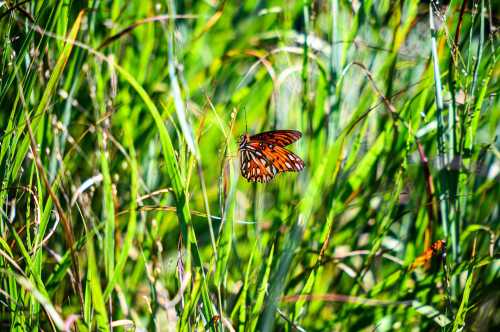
{"x": 246, "y": 123}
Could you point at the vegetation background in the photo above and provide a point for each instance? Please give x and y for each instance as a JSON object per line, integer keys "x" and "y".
{"x": 121, "y": 203}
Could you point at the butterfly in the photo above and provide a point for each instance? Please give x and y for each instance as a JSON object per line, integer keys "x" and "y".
{"x": 438, "y": 247}
{"x": 263, "y": 155}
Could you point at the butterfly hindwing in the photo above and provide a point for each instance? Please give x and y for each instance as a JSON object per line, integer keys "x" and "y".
{"x": 279, "y": 158}
{"x": 255, "y": 166}
{"x": 285, "y": 160}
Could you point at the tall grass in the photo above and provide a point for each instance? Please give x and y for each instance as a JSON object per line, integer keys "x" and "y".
{"x": 121, "y": 202}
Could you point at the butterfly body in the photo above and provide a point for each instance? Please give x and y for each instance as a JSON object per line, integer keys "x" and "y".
{"x": 263, "y": 156}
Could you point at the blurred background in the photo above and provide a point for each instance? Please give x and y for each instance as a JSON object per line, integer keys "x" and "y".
{"x": 122, "y": 204}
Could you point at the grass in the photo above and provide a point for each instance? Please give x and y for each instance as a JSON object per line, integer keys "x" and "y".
{"x": 121, "y": 202}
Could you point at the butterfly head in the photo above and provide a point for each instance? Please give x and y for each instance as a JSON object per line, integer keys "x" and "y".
{"x": 243, "y": 140}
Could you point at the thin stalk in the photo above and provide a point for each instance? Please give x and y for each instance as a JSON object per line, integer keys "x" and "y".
{"x": 479, "y": 49}
{"x": 305, "y": 64}
{"x": 334, "y": 70}
{"x": 439, "y": 110}
{"x": 447, "y": 216}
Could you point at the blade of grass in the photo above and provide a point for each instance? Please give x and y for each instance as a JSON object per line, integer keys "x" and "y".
{"x": 131, "y": 226}
{"x": 43, "y": 299}
{"x": 93, "y": 280}
{"x": 108, "y": 203}
{"x": 242, "y": 319}
{"x": 176, "y": 90}
{"x": 431, "y": 313}
{"x": 443, "y": 190}
{"x": 459, "y": 322}
{"x": 261, "y": 292}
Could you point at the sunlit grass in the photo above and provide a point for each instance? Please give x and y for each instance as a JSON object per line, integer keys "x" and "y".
{"x": 121, "y": 201}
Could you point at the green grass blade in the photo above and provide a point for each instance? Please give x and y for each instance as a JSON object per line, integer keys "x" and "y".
{"x": 461, "y": 315}
{"x": 101, "y": 315}
{"x": 131, "y": 226}
{"x": 261, "y": 292}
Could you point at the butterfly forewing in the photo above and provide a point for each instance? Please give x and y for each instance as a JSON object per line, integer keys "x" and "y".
{"x": 262, "y": 156}
{"x": 278, "y": 137}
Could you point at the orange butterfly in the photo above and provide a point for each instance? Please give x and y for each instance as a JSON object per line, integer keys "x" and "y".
{"x": 262, "y": 156}
{"x": 438, "y": 247}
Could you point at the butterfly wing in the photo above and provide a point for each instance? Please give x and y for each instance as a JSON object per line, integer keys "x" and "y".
{"x": 282, "y": 159}
{"x": 262, "y": 156}
{"x": 278, "y": 137}
{"x": 254, "y": 165}
{"x": 260, "y": 162}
